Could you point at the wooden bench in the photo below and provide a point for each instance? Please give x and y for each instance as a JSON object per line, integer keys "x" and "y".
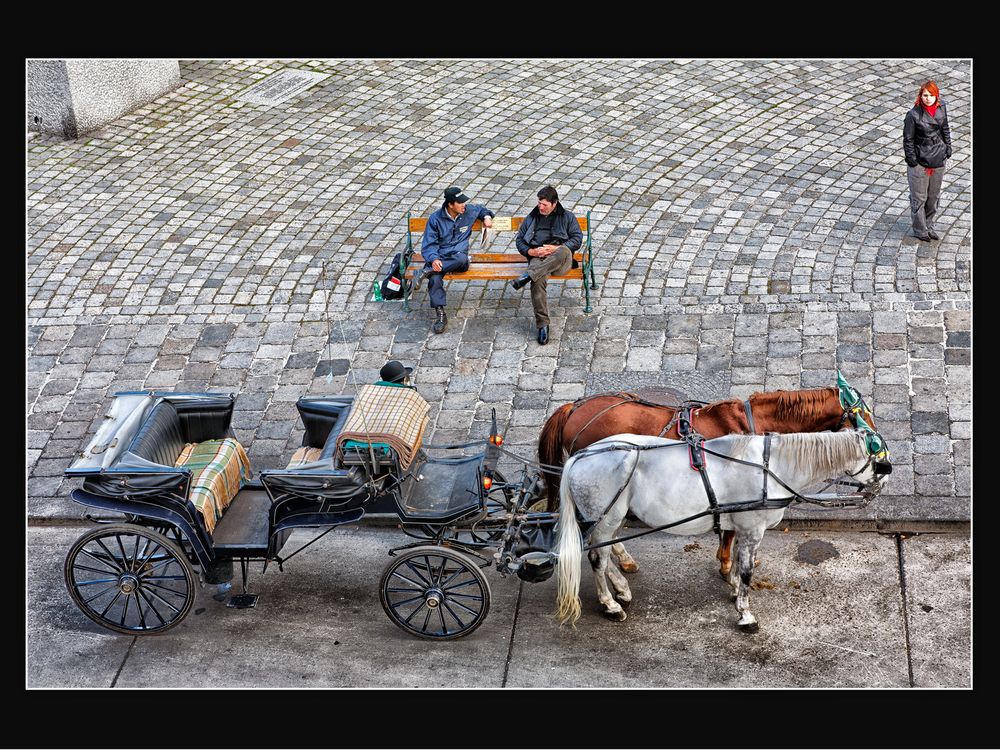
{"x": 499, "y": 265}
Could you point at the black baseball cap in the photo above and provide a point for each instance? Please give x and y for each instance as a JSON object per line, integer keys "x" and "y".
{"x": 455, "y": 195}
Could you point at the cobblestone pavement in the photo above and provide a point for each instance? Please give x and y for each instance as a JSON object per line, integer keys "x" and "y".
{"x": 751, "y": 230}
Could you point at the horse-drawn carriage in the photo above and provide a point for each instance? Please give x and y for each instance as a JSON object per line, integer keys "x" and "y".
{"x": 170, "y": 464}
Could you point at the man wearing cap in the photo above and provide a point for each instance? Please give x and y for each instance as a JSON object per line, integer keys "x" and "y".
{"x": 548, "y": 237}
{"x": 445, "y": 245}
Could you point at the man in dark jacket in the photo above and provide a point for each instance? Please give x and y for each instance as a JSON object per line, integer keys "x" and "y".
{"x": 445, "y": 245}
{"x": 548, "y": 237}
{"x": 926, "y": 146}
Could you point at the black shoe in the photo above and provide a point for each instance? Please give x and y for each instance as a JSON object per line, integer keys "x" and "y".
{"x": 543, "y": 335}
{"x": 520, "y": 281}
{"x": 420, "y": 279}
{"x": 922, "y": 237}
{"x": 932, "y": 234}
{"x": 442, "y": 321}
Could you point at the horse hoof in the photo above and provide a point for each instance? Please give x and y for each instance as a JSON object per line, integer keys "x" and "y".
{"x": 724, "y": 570}
{"x": 629, "y": 567}
{"x": 623, "y": 602}
{"x": 750, "y": 627}
{"x": 616, "y": 616}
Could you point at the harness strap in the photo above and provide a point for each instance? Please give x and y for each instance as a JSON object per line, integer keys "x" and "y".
{"x": 696, "y": 447}
{"x": 746, "y": 408}
{"x": 767, "y": 459}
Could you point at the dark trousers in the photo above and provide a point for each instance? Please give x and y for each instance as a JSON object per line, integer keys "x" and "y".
{"x": 539, "y": 269}
{"x": 435, "y": 283}
{"x": 925, "y": 190}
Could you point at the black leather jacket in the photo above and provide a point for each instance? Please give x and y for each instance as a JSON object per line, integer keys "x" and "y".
{"x": 565, "y": 228}
{"x": 926, "y": 139}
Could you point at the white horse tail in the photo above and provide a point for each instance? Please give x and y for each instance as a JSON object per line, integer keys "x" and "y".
{"x": 569, "y": 548}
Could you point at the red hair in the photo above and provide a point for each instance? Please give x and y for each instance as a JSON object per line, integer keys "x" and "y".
{"x": 931, "y": 88}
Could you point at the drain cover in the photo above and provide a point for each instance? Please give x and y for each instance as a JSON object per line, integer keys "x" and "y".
{"x": 280, "y": 87}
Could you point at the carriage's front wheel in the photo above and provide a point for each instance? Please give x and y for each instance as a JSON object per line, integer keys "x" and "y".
{"x": 435, "y": 592}
{"x": 130, "y": 579}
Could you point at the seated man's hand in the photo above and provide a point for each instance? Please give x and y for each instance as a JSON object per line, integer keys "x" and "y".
{"x": 436, "y": 265}
{"x": 488, "y": 222}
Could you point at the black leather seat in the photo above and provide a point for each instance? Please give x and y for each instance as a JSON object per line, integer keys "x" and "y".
{"x": 330, "y": 446}
{"x": 160, "y": 439}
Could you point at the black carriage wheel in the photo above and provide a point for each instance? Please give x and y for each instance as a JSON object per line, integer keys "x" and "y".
{"x": 435, "y": 592}
{"x": 130, "y": 579}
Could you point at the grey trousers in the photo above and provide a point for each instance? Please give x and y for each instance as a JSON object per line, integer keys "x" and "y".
{"x": 925, "y": 190}
{"x": 539, "y": 269}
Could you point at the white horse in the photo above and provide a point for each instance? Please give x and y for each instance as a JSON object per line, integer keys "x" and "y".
{"x": 664, "y": 489}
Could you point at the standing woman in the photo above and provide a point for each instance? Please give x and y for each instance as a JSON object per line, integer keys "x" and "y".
{"x": 926, "y": 145}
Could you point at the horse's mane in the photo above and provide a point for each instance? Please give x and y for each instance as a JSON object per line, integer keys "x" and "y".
{"x": 827, "y": 453}
{"x": 799, "y": 405}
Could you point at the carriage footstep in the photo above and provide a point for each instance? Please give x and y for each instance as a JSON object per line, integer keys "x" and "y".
{"x": 243, "y": 601}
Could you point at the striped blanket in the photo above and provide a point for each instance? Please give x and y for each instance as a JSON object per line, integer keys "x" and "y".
{"x": 218, "y": 470}
{"x": 384, "y": 414}
{"x": 304, "y": 455}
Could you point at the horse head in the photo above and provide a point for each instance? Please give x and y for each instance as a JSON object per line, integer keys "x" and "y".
{"x": 874, "y": 462}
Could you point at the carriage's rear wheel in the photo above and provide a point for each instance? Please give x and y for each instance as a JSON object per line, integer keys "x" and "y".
{"x": 435, "y": 592}
{"x": 130, "y": 579}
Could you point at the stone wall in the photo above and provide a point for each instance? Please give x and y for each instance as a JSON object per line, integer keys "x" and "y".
{"x": 71, "y": 97}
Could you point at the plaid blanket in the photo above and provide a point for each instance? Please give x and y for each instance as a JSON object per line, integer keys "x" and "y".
{"x": 304, "y": 455}
{"x": 218, "y": 470}
{"x": 383, "y": 414}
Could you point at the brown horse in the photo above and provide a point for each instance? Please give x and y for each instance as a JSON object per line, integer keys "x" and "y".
{"x": 574, "y": 426}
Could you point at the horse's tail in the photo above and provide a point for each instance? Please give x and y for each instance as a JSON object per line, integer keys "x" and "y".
{"x": 569, "y": 548}
{"x": 550, "y": 451}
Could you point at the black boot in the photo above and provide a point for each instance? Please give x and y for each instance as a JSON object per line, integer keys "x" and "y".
{"x": 932, "y": 234}
{"x": 442, "y": 320}
{"x": 543, "y": 335}
{"x": 520, "y": 281}
{"x": 421, "y": 278}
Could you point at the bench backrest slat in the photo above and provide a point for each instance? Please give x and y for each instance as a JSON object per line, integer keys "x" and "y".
{"x": 500, "y": 224}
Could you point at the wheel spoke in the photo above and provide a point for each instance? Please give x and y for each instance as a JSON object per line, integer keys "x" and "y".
{"x": 420, "y": 586}
{"x": 463, "y": 583}
{"x": 152, "y": 608}
{"x": 96, "y": 580}
{"x": 101, "y": 593}
{"x": 125, "y": 610}
{"x": 426, "y": 620}
{"x": 477, "y": 597}
{"x": 407, "y": 620}
{"x": 444, "y": 625}
{"x": 457, "y": 618}
{"x": 164, "y": 588}
{"x": 111, "y": 602}
{"x": 176, "y": 611}
{"x": 116, "y": 568}
{"x": 126, "y": 561}
{"x": 138, "y": 606}
{"x": 440, "y": 570}
{"x": 416, "y": 598}
{"x": 472, "y": 612}
{"x": 426, "y": 583}
{"x": 161, "y": 563}
{"x": 93, "y": 570}
{"x": 163, "y": 578}
{"x": 147, "y": 557}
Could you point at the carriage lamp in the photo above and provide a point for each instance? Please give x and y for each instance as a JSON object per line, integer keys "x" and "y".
{"x": 496, "y": 440}
{"x": 487, "y": 480}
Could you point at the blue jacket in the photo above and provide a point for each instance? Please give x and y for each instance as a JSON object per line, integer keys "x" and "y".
{"x": 444, "y": 238}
